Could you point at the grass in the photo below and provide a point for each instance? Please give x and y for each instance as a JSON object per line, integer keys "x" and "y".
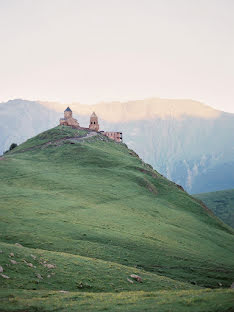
{"x": 221, "y": 203}
{"x": 73, "y": 272}
{"x": 54, "y": 134}
{"x": 97, "y": 212}
{"x": 164, "y": 301}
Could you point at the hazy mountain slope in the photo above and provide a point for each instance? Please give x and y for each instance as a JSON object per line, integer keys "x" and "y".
{"x": 221, "y": 203}
{"x": 94, "y": 211}
{"x": 142, "y": 109}
{"x": 20, "y": 119}
{"x": 184, "y": 140}
{"x": 187, "y": 151}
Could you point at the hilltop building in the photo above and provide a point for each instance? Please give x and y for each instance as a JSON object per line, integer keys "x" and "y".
{"x": 68, "y": 120}
{"x": 94, "y": 122}
{"x": 116, "y": 136}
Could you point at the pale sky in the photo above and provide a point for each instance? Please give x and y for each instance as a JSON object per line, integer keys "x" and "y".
{"x": 90, "y": 51}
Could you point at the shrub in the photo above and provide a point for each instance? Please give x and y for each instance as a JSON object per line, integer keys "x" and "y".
{"x": 13, "y": 145}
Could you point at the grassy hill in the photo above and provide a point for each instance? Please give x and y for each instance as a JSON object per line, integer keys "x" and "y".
{"x": 185, "y": 140}
{"x": 221, "y": 203}
{"x": 80, "y": 214}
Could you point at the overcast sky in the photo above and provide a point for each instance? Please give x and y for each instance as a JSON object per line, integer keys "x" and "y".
{"x": 90, "y": 51}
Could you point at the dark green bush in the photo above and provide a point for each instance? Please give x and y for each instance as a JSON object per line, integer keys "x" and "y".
{"x": 13, "y": 145}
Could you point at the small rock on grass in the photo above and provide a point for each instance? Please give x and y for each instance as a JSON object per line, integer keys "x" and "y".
{"x": 1, "y": 269}
{"x": 11, "y": 254}
{"x": 48, "y": 275}
{"x": 64, "y": 291}
{"x": 13, "y": 262}
{"x": 130, "y": 281}
{"x": 232, "y": 286}
{"x": 4, "y": 276}
{"x": 38, "y": 275}
{"x": 49, "y": 266}
{"x": 34, "y": 257}
{"x": 18, "y": 245}
{"x": 136, "y": 277}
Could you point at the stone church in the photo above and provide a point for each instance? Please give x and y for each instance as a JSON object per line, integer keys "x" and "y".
{"x": 68, "y": 120}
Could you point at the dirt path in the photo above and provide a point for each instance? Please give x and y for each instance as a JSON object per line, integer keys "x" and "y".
{"x": 89, "y": 135}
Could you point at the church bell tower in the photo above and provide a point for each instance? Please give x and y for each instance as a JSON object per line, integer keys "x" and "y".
{"x": 94, "y": 122}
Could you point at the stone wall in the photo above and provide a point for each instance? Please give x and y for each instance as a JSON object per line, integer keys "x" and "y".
{"x": 116, "y": 136}
{"x": 69, "y": 122}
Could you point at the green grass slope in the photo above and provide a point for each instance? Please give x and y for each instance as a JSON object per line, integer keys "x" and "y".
{"x": 204, "y": 300}
{"x": 221, "y": 203}
{"x": 89, "y": 213}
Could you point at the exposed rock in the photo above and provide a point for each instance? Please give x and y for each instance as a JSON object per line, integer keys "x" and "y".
{"x": 49, "y": 266}
{"x": 4, "y": 276}
{"x": 130, "y": 281}
{"x": 48, "y": 275}
{"x": 11, "y": 254}
{"x": 18, "y": 245}
{"x": 38, "y": 275}
{"x": 29, "y": 264}
{"x": 80, "y": 285}
{"x": 136, "y": 277}
{"x": 13, "y": 261}
{"x": 1, "y": 269}
{"x": 179, "y": 186}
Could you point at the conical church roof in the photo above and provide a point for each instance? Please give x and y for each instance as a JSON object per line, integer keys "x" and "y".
{"x": 68, "y": 109}
{"x": 93, "y": 115}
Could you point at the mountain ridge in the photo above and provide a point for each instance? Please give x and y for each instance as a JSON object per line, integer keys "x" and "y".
{"x": 141, "y": 109}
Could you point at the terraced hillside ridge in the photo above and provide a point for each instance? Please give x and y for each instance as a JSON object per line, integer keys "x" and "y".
{"x": 221, "y": 203}
{"x": 87, "y": 225}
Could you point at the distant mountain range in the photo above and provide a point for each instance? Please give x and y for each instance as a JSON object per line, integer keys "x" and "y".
{"x": 187, "y": 141}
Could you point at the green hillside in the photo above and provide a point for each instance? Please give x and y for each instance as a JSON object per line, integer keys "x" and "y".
{"x": 221, "y": 203}
{"x": 88, "y": 213}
